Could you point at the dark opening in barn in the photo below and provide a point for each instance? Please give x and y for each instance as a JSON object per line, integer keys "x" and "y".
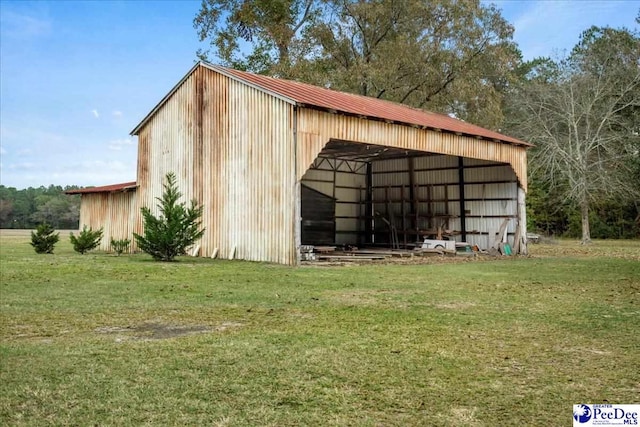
{"x": 397, "y": 198}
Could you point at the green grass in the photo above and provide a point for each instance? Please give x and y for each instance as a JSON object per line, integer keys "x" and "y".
{"x": 105, "y": 340}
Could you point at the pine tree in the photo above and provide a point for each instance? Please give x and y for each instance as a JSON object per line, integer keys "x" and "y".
{"x": 177, "y": 227}
{"x": 43, "y": 240}
{"x": 87, "y": 240}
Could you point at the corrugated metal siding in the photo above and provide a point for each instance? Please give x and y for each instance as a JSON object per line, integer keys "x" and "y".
{"x": 250, "y": 173}
{"x": 231, "y": 147}
{"x": 166, "y": 144}
{"x": 348, "y": 188}
{"x": 317, "y": 128}
{"x": 490, "y": 191}
{"x": 114, "y": 212}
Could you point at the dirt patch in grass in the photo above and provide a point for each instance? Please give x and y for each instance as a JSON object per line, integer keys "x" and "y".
{"x": 360, "y": 297}
{"x": 160, "y": 331}
{"x": 583, "y": 350}
{"x": 456, "y": 305}
{"x": 464, "y": 416}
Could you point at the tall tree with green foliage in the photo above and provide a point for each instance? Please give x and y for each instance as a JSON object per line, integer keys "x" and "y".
{"x": 583, "y": 114}
{"x": 271, "y": 29}
{"x": 177, "y": 228}
{"x": 454, "y": 57}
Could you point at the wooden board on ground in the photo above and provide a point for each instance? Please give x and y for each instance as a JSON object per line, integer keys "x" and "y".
{"x": 516, "y": 239}
{"x": 324, "y": 249}
{"x": 500, "y": 235}
{"x": 389, "y": 253}
{"x": 351, "y": 258}
{"x": 439, "y": 251}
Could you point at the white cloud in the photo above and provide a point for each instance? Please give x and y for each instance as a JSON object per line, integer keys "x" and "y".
{"x": 41, "y": 155}
{"x": 95, "y": 113}
{"x": 119, "y": 144}
{"x": 117, "y": 113}
{"x": 22, "y": 166}
{"x": 95, "y": 172}
{"x": 99, "y": 172}
{"x": 23, "y": 26}
{"x": 2, "y": 150}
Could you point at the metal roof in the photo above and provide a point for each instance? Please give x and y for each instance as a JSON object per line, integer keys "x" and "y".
{"x": 306, "y": 95}
{"x": 105, "y": 188}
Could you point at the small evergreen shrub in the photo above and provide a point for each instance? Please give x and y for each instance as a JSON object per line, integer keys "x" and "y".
{"x": 120, "y": 246}
{"x": 177, "y": 227}
{"x": 43, "y": 240}
{"x": 87, "y": 239}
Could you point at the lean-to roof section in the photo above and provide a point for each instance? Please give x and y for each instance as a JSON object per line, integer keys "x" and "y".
{"x": 125, "y": 186}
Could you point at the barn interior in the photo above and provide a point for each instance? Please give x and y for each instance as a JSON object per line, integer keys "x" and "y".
{"x": 373, "y": 196}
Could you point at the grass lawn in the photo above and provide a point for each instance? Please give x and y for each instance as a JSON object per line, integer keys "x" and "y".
{"x": 105, "y": 340}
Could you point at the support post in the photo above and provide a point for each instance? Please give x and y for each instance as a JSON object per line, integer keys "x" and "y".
{"x": 463, "y": 216}
{"x": 522, "y": 221}
{"x": 369, "y": 214}
{"x": 413, "y": 203}
{"x": 297, "y": 196}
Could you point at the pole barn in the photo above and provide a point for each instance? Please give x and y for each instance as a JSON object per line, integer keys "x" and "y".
{"x": 278, "y": 164}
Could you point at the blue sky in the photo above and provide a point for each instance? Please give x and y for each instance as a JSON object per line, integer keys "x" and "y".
{"x": 76, "y": 77}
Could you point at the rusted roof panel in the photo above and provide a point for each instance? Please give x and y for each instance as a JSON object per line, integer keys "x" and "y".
{"x": 306, "y": 95}
{"x": 105, "y": 188}
{"x": 367, "y": 107}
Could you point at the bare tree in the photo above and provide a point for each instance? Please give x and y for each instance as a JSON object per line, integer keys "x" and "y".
{"x": 583, "y": 118}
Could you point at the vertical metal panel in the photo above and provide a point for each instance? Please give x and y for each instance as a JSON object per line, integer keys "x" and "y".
{"x": 325, "y": 126}
{"x": 248, "y": 159}
{"x": 492, "y": 202}
{"x": 337, "y": 179}
{"x": 113, "y": 212}
{"x": 231, "y": 147}
{"x": 433, "y": 162}
{"x": 522, "y": 221}
{"x": 166, "y": 145}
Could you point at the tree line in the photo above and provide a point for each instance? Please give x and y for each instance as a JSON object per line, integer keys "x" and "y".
{"x": 29, "y": 207}
{"x": 582, "y": 111}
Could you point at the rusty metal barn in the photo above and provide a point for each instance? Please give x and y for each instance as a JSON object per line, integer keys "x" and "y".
{"x": 278, "y": 164}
